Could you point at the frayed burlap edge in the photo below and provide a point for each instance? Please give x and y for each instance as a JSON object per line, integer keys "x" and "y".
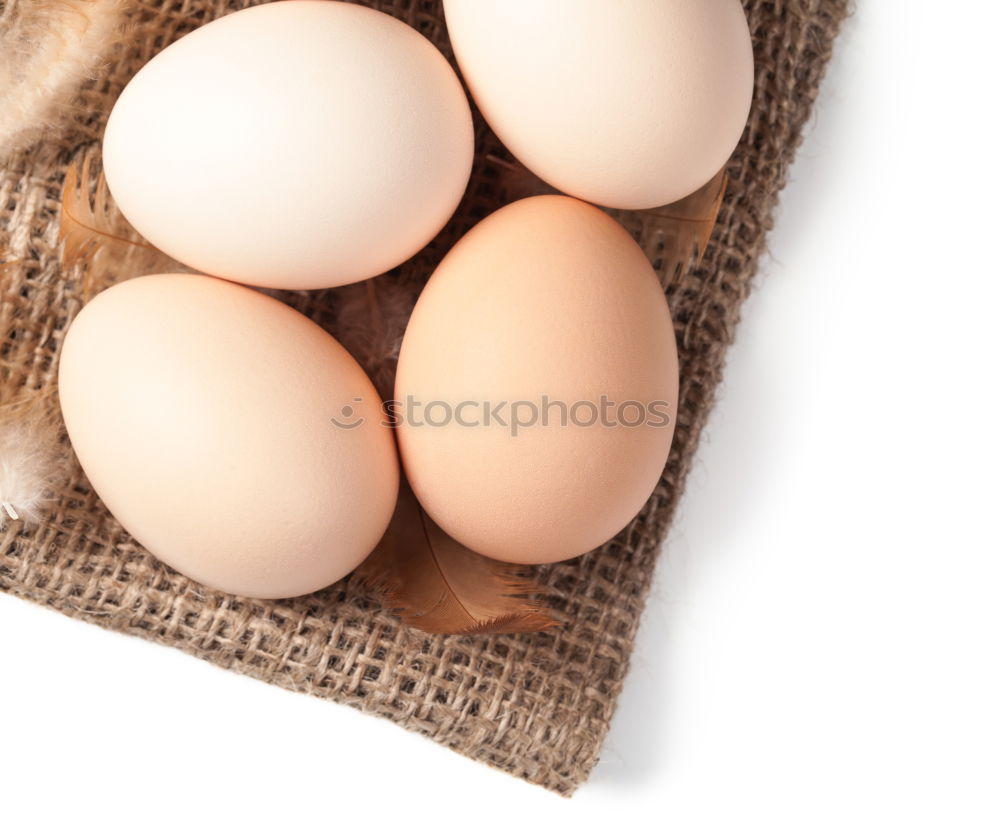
{"x": 537, "y": 706}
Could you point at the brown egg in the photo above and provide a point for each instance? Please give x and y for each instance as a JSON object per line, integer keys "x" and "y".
{"x": 232, "y": 436}
{"x": 537, "y": 383}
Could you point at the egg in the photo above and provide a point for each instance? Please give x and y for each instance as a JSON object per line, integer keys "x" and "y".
{"x": 297, "y": 145}
{"x": 230, "y": 435}
{"x": 537, "y": 383}
{"x": 625, "y": 104}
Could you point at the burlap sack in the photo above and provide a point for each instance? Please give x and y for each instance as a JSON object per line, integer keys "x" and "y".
{"x": 537, "y": 706}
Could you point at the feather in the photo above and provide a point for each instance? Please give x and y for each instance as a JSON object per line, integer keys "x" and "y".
{"x": 687, "y": 224}
{"x": 437, "y": 585}
{"x": 96, "y": 237}
{"x": 34, "y": 462}
{"x": 517, "y": 181}
{"x": 370, "y": 320}
{"x": 48, "y": 49}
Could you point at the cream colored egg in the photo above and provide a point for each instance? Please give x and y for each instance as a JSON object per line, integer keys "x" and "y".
{"x": 625, "y": 103}
{"x": 537, "y": 383}
{"x": 296, "y": 145}
{"x": 230, "y": 435}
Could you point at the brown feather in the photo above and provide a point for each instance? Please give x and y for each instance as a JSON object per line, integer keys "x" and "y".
{"x": 687, "y": 224}
{"x": 370, "y": 321}
{"x": 437, "y": 585}
{"x": 96, "y": 237}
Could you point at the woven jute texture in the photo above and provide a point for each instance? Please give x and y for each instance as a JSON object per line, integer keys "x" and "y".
{"x": 537, "y": 706}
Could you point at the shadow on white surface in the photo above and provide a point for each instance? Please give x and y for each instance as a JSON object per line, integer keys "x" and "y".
{"x": 739, "y": 442}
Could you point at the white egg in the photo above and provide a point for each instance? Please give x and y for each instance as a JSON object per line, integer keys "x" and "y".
{"x": 295, "y": 145}
{"x": 624, "y": 103}
{"x": 229, "y": 434}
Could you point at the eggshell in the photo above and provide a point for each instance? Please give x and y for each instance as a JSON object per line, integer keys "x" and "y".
{"x": 293, "y": 145}
{"x": 547, "y": 297}
{"x": 629, "y": 104}
{"x": 201, "y": 412}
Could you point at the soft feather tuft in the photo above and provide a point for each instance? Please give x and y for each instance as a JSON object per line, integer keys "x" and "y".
{"x": 48, "y": 49}
{"x": 34, "y": 461}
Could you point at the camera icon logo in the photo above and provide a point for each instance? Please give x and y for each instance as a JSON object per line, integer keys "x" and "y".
{"x": 349, "y": 417}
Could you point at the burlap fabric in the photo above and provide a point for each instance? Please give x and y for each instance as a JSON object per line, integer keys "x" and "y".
{"x": 537, "y": 706}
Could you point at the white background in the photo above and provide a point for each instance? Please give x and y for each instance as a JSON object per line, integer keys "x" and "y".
{"x": 821, "y": 648}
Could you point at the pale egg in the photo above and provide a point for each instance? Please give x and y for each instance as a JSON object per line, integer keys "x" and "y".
{"x": 624, "y": 103}
{"x": 296, "y": 145}
{"x": 230, "y": 435}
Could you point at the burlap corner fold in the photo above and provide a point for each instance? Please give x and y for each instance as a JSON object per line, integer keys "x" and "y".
{"x": 537, "y": 706}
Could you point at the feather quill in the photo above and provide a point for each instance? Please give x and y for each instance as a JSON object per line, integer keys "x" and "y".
{"x": 437, "y": 585}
